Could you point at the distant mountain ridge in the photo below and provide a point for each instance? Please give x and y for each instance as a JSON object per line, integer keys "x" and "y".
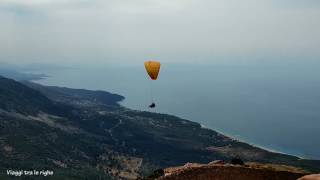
{"x": 12, "y": 73}
{"x": 66, "y": 95}
{"x": 15, "y": 96}
{"x": 83, "y": 134}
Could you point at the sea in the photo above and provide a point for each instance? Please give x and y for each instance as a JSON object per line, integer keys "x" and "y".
{"x": 274, "y": 105}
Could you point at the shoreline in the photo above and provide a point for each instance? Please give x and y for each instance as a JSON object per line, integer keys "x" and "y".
{"x": 44, "y": 76}
{"x": 255, "y": 145}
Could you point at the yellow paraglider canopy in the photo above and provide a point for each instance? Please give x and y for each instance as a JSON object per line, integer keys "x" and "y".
{"x": 153, "y": 68}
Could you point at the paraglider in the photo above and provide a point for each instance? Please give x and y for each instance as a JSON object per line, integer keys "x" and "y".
{"x": 153, "y": 69}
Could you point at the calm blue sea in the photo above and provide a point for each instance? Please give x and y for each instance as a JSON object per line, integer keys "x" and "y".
{"x": 273, "y": 105}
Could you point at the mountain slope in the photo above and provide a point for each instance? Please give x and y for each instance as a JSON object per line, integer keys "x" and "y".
{"x": 82, "y": 136}
{"x": 17, "y": 97}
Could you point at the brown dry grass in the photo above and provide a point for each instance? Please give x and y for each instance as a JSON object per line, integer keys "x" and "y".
{"x": 252, "y": 171}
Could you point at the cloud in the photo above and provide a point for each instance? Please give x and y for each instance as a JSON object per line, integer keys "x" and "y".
{"x": 173, "y": 30}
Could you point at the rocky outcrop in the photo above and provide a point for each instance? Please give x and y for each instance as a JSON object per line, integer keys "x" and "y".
{"x": 218, "y": 170}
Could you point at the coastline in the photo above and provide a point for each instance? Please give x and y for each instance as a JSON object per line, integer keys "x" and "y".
{"x": 256, "y": 145}
{"x": 23, "y": 76}
{"x": 233, "y": 137}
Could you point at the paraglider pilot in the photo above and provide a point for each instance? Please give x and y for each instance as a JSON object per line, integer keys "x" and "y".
{"x": 153, "y": 105}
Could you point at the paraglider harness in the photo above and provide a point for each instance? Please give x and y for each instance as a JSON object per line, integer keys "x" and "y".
{"x": 153, "y": 105}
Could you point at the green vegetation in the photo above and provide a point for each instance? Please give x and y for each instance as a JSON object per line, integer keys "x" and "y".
{"x": 84, "y": 134}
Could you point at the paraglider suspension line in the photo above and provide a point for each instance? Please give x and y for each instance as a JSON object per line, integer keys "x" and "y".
{"x": 151, "y": 92}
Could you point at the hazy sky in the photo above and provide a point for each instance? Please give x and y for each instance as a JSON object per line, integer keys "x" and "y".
{"x": 129, "y": 31}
